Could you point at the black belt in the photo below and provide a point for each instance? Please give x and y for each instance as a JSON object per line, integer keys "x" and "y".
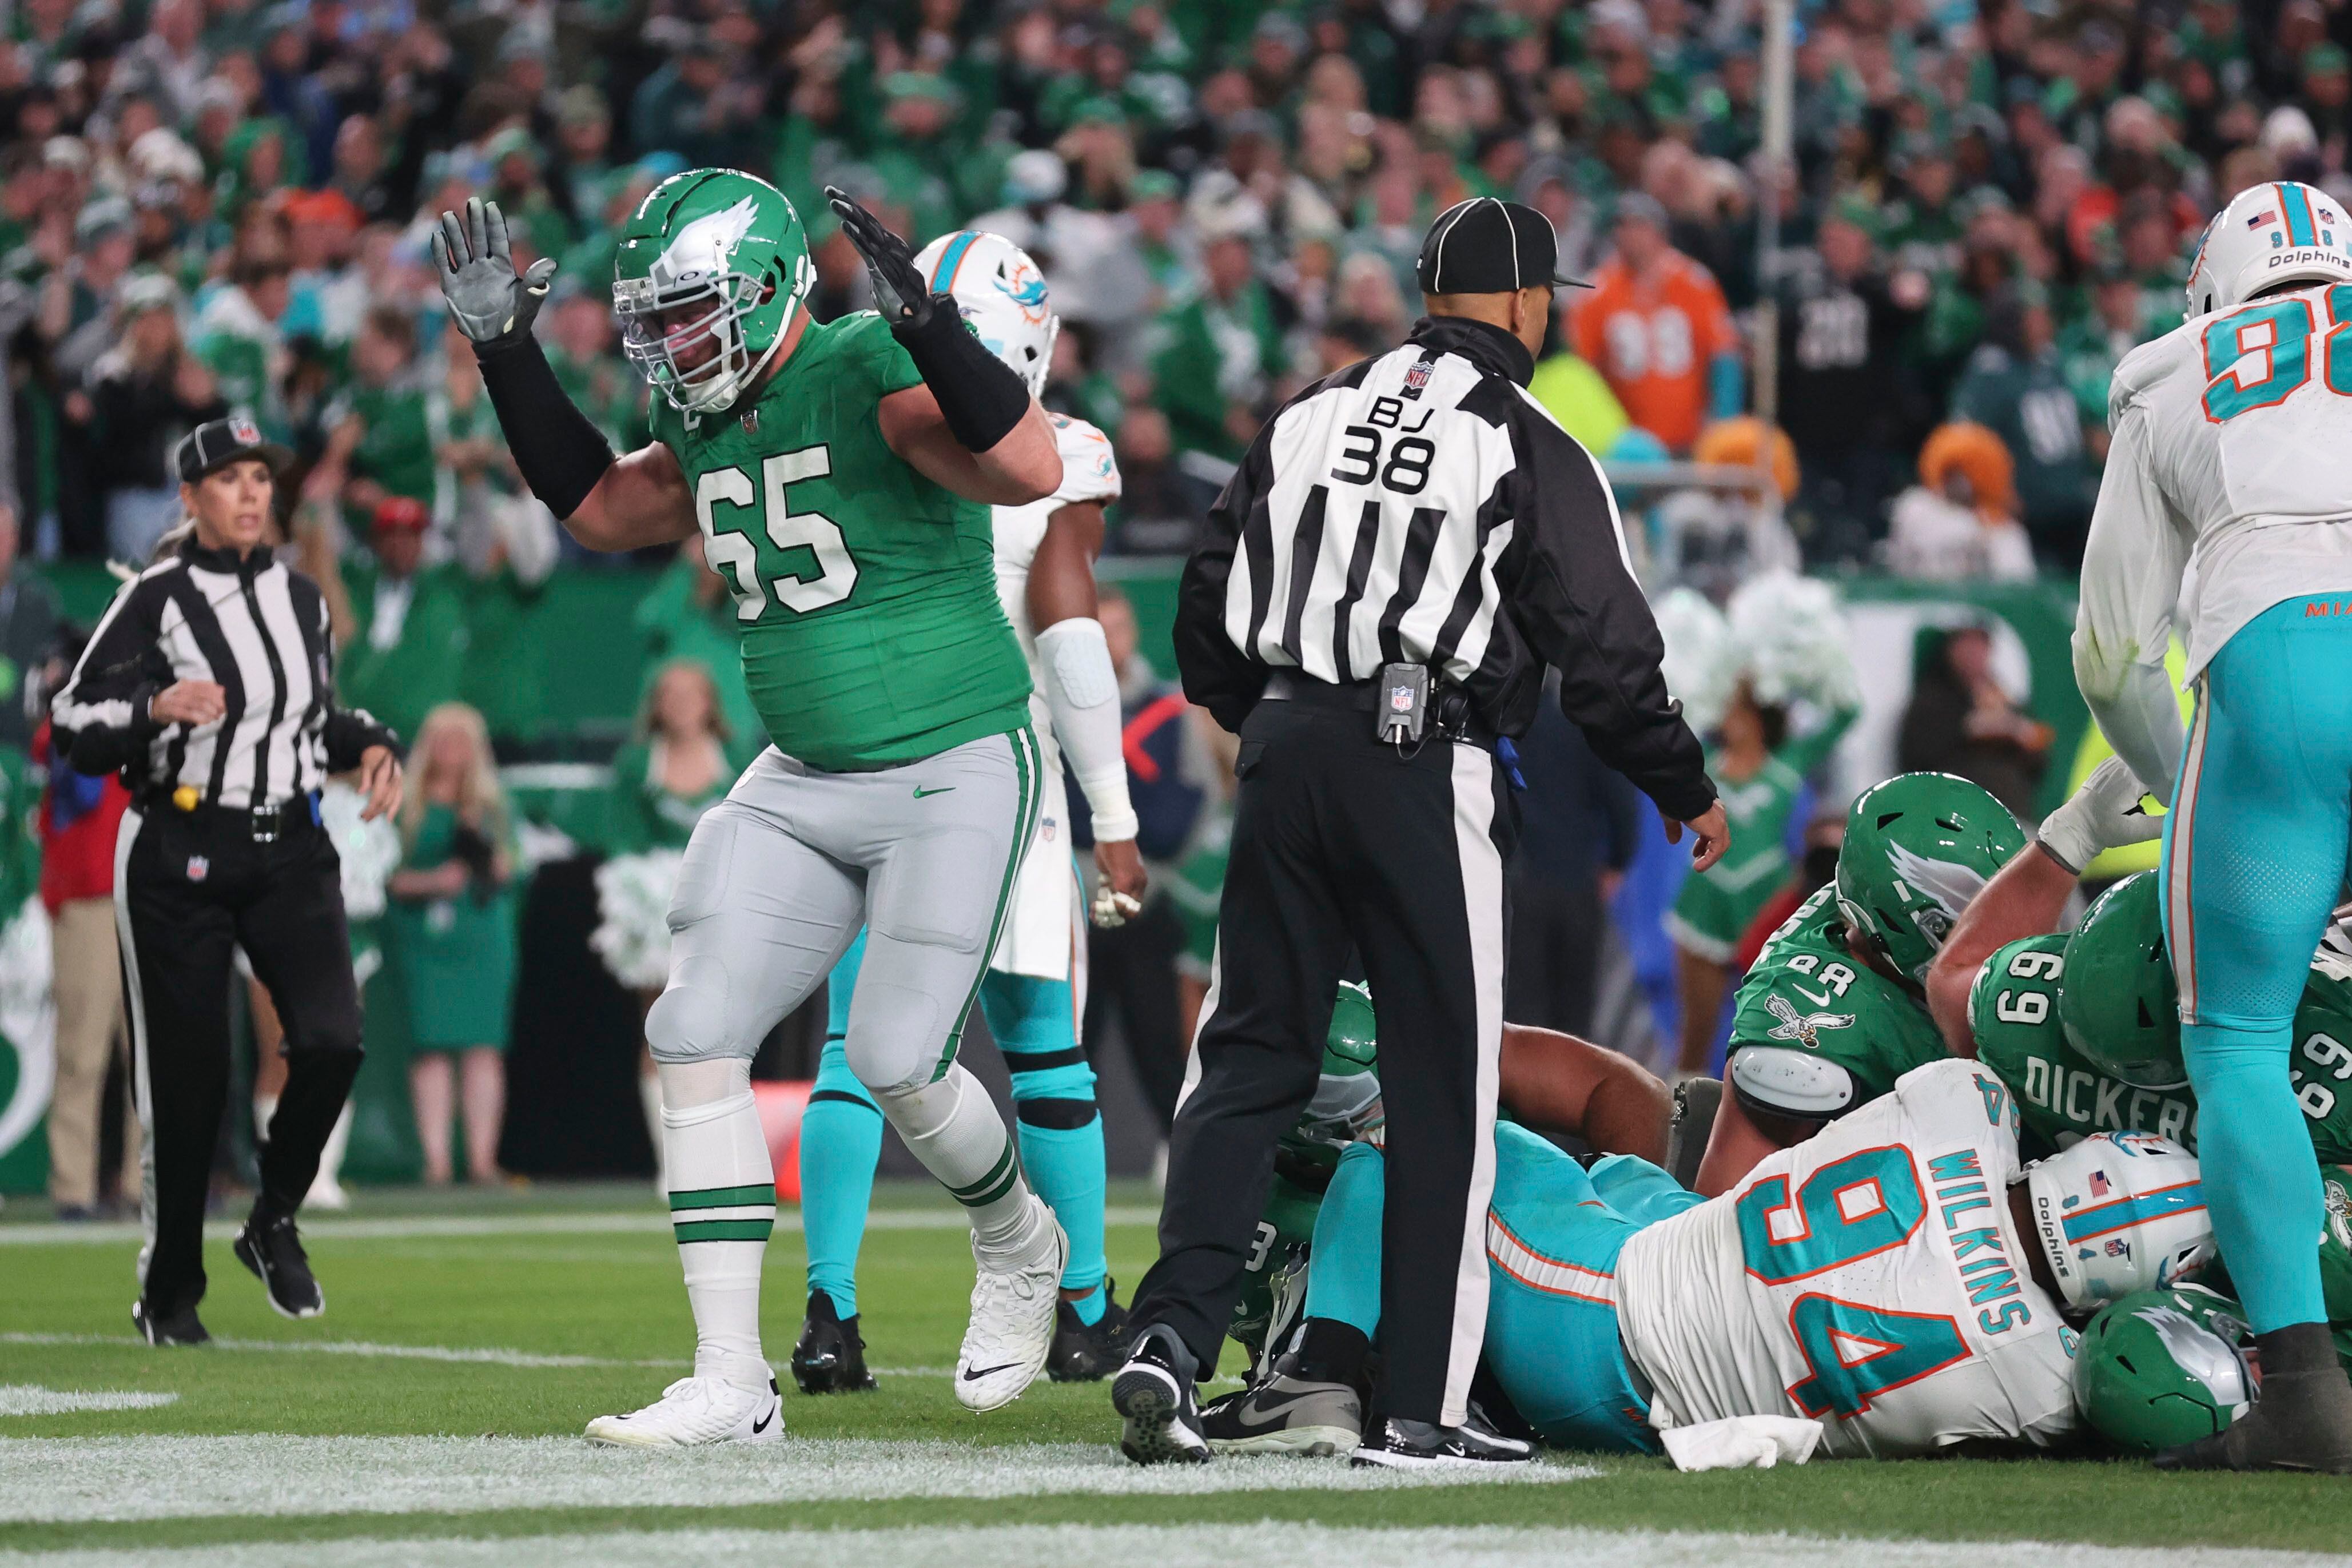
{"x": 262, "y": 823}
{"x": 1364, "y": 696}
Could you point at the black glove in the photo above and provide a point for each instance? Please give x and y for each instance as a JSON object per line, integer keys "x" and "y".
{"x": 493, "y": 307}
{"x": 899, "y": 291}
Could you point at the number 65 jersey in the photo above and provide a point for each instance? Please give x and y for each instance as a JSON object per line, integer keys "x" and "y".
{"x": 1870, "y": 1278}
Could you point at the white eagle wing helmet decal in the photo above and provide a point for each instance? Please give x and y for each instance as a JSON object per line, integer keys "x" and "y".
{"x": 704, "y": 248}
{"x": 2202, "y": 1354}
{"x": 1950, "y": 884}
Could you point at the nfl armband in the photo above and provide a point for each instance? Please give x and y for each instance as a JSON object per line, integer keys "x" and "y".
{"x": 1790, "y": 1083}
{"x": 1082, "y": 693}
{"x": 561, "y": 455}
{"x": 979, "y": 395}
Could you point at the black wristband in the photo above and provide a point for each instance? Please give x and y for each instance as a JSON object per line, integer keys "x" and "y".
{"x": 978, "y": 393}
{"x": 561, "y": 454}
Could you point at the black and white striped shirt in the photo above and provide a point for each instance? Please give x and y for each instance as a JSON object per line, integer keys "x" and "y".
{"x": 257, "y": 629}
{"x": 1423, "y": 508}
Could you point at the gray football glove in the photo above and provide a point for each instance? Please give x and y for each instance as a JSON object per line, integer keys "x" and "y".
{"x": 493, "y": 307}
{"x": 899, "y": 291}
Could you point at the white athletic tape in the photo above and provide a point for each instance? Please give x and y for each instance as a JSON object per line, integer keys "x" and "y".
{"x": 651, "y": 1221}
{"x": 80, "y": 1479}
{"x": 32, "y": 1399}
{"x": 1164, "y": 1546}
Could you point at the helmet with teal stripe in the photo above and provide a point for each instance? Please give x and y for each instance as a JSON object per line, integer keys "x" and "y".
{"x": 1001, "y": 295}
{"x": 707, "y": 275}
{"x": 2282, "y": 232}
{"x": 2118, "y": 1213}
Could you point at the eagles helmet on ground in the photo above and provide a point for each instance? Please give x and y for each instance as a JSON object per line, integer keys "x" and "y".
{"x": 1917, "y": 848}
{"x": 1001, "y": 295}
{"x": 2118, "y": 1213}
{"x": 2120, "y": 1005}
{"x": 2159, "y": 1368}
{"x": 711, "y": 254}
{"x": 2270, "y": 234}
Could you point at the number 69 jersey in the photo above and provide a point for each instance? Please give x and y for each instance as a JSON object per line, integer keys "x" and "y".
{"x": 1870, "y": 1278}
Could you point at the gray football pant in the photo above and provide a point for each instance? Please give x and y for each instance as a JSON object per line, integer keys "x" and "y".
{"x": 778, "y": 876}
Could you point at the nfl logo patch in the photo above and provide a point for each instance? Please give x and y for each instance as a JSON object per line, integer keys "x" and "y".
{"x": 1400, "y": 698}
{"x": 198, "y": 867}
{"x": 750, "y": 422}
{"x": 244, "y": 431}
{"x": 2119, "y": 1248}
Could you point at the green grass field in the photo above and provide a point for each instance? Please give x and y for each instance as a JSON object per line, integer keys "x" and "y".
{"x": 433, "y": 1415}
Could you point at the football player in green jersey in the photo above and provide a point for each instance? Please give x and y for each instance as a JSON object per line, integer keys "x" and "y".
{"x": 841, "y": 477}
{"x": 1832, "y": 1012}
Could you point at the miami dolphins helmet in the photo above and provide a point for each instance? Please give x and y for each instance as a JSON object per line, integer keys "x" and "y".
{"x": 2118, "y": 1213}
{"x": 2159, "y": 1368}
{"x": 710, "y": 270}
{"x": 1001, "y": 295}
{"x": 2268, "y": 235}
{"x": 1917, "y": 848}
{"x": 2116, "y": 999}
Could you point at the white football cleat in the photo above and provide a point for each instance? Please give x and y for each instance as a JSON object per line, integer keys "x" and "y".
{"x": 1011, "y": 1330}
{"x": 692, "y": 1412}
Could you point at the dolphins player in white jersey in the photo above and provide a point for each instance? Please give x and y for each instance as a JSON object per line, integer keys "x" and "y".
{"x": 1899, "y": 1277}
{"x": 1034, "y": 993}
{"x": 2230, "y": 469}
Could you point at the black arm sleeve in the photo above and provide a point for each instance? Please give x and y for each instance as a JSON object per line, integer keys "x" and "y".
{"x": 978, "y": 393}
{"x": 350, "y": 732}
{"x": 1574, "y": 600}
{"x": 99, "y": 717}
{"x": 561, "y": 454}
{"x": 1218, "y": 676}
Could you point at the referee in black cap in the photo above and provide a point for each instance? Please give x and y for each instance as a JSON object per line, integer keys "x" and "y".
{"x": 1406, "y": 546}
{"x": 209, "y": 685}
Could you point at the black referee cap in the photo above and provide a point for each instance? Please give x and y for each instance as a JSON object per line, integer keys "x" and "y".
{"x": 218, "y": 443}
{"x": 1488, "y": 246}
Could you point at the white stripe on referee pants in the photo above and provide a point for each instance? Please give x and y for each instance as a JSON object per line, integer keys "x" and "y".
{"x": 142, "y": 1094}
{"x": 1208, "y": 1011}
{"x": 1482, "y": 900}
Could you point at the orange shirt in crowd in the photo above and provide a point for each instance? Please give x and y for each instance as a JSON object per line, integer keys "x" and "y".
{"x": 1652, "y": 338}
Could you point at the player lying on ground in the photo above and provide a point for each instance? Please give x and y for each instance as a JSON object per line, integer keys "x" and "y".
{"x": 840, "y": 476}
{"x": 1034, "y": 993}
{"x": 1899, "y": 1278}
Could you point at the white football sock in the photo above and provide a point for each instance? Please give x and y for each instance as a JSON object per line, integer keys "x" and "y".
{"x": 952, "y": 1127}
{"x": 649, "y": 1095}
{"x": 723, "y": 1200}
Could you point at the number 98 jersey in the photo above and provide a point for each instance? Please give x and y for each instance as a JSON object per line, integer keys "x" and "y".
{"x": 1871, "y": 1278}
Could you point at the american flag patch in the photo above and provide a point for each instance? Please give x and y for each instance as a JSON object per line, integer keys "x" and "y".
{"x": 2259, "y": 219}
{"x": 2099, "y": 1184}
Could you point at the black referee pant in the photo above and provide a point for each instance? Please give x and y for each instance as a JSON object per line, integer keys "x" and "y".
{"x": 188, "y": 887}
{"x": 1338, "y": 840}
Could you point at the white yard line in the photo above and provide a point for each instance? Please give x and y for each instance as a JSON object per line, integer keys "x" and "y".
{"x": 81, "y": 1479}
{"x": 1163, "y": 1546}
{"x": 487, "y": 1354}
{"x": 32, "y": 1399}
{"x": 651, "y": 1220}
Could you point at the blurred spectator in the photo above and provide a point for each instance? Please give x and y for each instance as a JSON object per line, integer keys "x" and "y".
{"x": 1960, "y": 519}
{"x": 79, "y": 816}
{"x": 1580, "y": 824}
{"x": 1218, "y": 353}
{"x": 145, "y": 393}
{"x": 1161, "y": 506}
{"x": 452, "y": 934}
{"x": 1577, "y": 395}
{"x": 1842, "y": 323}
{"x": 29, "y": 628}
{"x": 1656, "y": 327}
{"x": 384, "y": 434}
{"x": 1131, "y": 969}
{"x": 407, "y": 652}
{"x": 675, "y": 768}
{"x": 239, "y": 338}
{"x": 2016, "y": 387}
{"x": 1961, "y": 721}
{"x": 689, "y": 614}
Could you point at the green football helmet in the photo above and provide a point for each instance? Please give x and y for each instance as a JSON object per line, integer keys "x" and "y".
{"x": 1917, "y": 848}
{"x": 707, "y": 276}
{"x": 2159, "y": 1368}
{"x": 2116, "y": 998}
{"x": 1347, "y": 1104}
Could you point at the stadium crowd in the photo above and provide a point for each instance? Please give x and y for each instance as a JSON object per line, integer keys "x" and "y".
{"x": 208, "y": 204}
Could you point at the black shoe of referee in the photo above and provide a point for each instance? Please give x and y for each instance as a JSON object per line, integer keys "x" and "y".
{"x": 180, "y": 1327}
{"x": 1421, "y": 1445}
{"x": 274, "y": 1252}
{"x": 1153, "y": 1395}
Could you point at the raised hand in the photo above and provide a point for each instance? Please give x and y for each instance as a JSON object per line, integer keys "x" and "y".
{"x": 475, "y": 266}
{"x": 898, "y": 290}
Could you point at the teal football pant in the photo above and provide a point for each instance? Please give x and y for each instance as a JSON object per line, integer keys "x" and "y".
{"x": 2254, "y": 851}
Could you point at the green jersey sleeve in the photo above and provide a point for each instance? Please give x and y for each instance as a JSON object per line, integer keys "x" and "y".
{"x": 2061, "y": 1096}
{"x": 1808, "y": 994}
{"x": 876, "y": 350}
{"x": 2322, "y": 1070}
